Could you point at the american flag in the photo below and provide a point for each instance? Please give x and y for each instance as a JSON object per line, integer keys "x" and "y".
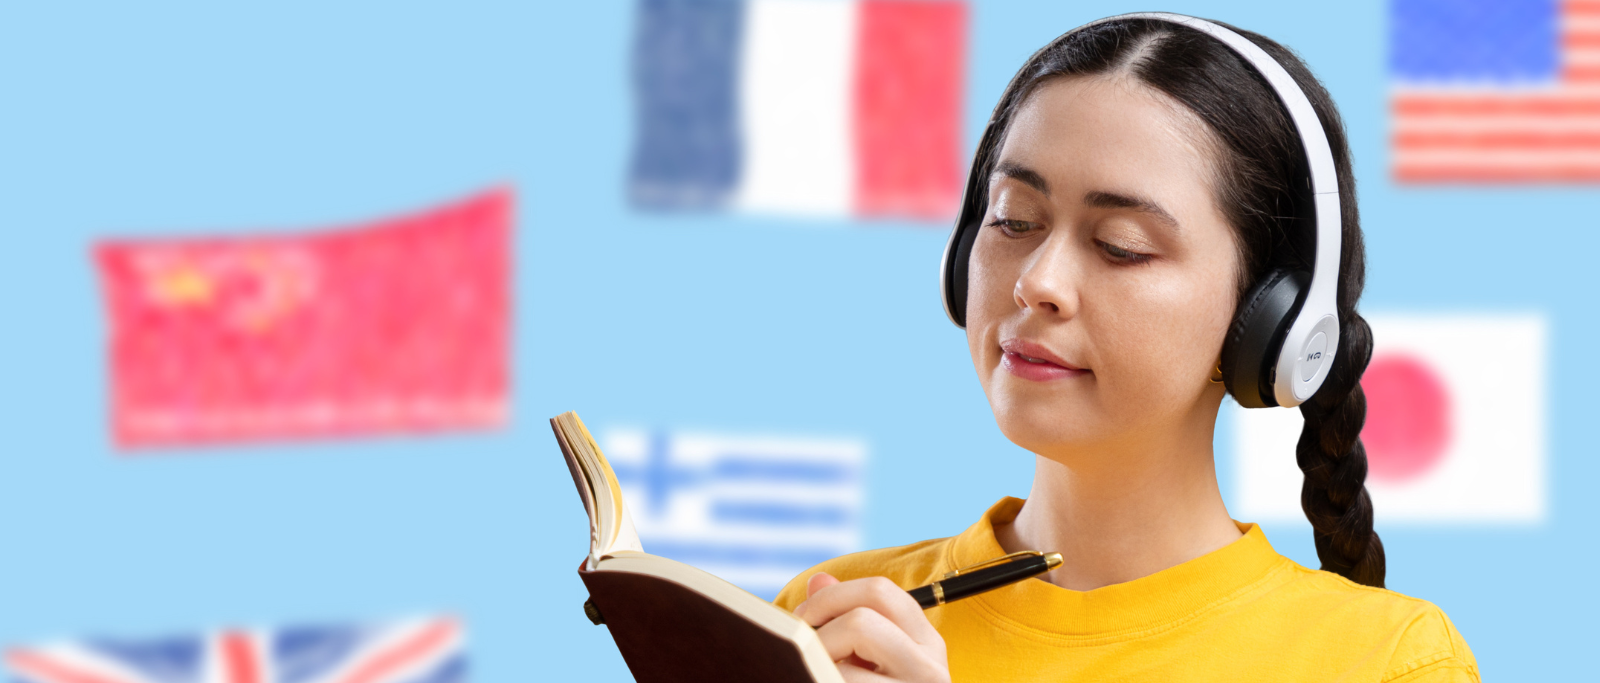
{"x": 422, "y": 650}
{"x": 1495, "y": 91}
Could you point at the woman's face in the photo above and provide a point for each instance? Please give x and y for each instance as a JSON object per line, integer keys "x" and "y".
{"x": 1103, "y": 279}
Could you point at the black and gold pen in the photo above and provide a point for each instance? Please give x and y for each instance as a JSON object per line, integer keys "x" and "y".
{"x": 985, "y": 576}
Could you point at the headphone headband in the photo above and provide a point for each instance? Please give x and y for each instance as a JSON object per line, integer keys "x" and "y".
{"x": 1308, "y": 345}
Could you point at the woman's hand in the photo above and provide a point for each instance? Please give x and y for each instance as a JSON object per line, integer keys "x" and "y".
{"x": 874, "y": 631}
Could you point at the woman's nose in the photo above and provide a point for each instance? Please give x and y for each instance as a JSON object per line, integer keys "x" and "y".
{"x": 1046, "y": 285}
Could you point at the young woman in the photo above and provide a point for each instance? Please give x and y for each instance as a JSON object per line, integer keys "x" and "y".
{"x": 1138, "y": 178}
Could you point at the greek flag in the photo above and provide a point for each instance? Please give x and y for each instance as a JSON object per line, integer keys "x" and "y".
{"x": 753, "y": 509}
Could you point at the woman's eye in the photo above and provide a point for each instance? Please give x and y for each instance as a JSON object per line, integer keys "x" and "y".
{"x": 1012, "y": 228}
{"x": 1122, "y": 255}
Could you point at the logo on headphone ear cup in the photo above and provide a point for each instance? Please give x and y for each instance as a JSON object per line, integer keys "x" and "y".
{"x": 1255, "y": 339}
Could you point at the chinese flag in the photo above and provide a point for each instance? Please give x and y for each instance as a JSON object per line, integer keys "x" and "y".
{"x": 400, "y": 325}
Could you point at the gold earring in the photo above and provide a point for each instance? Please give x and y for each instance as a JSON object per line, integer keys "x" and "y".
{"x": 1216, "y": 375}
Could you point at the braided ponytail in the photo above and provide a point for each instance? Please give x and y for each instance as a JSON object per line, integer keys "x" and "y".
{"x": 1330, "y": 453}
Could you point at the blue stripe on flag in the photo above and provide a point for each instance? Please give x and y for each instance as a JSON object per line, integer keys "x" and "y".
{"x": 171, "y": 659}
{"x": 453, "y": 670}
{"x": 685, "y": 77}
{"x": 1473, "y": 41}
{"x": 304, "y": 653}
{"x": 782, "y": 470}
{"x": 725, "y": 554}
{"x": 780, "y": 514}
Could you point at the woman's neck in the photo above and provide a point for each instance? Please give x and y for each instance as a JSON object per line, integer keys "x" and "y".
{"x": 1114, "y": 524}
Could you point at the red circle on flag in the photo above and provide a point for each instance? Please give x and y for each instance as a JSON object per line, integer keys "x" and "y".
{"x": 1408, "y": 417}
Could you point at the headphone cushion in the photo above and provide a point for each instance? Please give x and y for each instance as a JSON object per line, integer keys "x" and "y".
{"x": 1250, "y": 352}
{"x": 956, "y": 273}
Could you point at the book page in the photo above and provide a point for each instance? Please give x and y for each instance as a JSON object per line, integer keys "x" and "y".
{"x": 623, "y": 535}
{"x": 613, "y": 527}
{"x": 583, "y": 480}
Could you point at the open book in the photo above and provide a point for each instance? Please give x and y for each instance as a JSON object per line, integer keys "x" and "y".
{"x": 671, "y": 621}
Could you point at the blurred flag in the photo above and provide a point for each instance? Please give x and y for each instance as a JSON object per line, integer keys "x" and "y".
{"x": 1495, "y": 91}
{"x": 424, "y": 650}
{"x": 1454, "y": 431}
{"x": 811, "y": 107}
{"x": 755, "y": 510}
{"x": 397, "y": 325}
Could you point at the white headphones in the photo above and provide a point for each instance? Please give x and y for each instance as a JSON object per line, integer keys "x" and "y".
{"x": 1285, "y": 334}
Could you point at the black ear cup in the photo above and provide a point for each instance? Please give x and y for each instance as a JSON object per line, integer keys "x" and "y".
{"x": 1250, "y": 353}
{"x": 974, "y": 202}
{"x": 957, "y": 254}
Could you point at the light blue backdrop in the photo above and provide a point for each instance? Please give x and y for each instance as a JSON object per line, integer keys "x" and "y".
{"x": 118, "y": 119}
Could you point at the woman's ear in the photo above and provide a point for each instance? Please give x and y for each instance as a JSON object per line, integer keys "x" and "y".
{"x": 1216, "y": 373}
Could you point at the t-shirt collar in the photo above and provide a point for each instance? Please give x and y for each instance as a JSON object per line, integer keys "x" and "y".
{"x": 1170, "y": 595}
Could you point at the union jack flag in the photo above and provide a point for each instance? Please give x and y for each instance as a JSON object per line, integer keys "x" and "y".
{"x": 423, "y": 650}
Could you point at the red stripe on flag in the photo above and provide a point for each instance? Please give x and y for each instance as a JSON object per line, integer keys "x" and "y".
{"x": 406, "y": 653}
{"x": 1497, "y": 141}
{"x": 1465, "y": 174}
{"x": 239, "y": 661}
{"x": 1535, "y": 105}
{"x": 1576, "y": 39}
{"x": 1583, "y": 74}
{"x": 1581, "y": 8}
{"x": 908, "y": 95}
{"x": 399, "y": 325}
{"x": 40, "y": 669}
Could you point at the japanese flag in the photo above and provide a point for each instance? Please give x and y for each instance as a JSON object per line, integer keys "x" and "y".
{"x": 1454, "y": 430}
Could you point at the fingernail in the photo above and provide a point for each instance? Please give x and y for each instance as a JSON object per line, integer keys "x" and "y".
{"x": 800, "y": 610}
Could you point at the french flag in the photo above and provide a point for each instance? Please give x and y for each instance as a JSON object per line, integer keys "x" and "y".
{"x": 799, "y": 107}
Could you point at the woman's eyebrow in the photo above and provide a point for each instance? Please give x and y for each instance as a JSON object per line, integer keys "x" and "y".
{"x": 1112, "y": 200}
{"x": 1012, "y": 169}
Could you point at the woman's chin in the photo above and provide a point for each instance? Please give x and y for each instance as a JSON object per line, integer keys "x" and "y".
{"x": 1045, "y": 427}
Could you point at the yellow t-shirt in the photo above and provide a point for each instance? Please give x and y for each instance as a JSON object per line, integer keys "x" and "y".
{"x": 1241, "y": 613}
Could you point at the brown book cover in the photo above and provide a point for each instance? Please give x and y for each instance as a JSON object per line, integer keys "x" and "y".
{"x": 669, "y": 633}
{"x": 673, "y": 622}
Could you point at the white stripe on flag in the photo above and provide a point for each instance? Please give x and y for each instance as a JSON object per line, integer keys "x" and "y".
{"x": 1573, "y": 24}
{"x": 1581, "y": 56}
{"x": 1494, "y": 124}
{"x": 1505, "y": 159}
{"x": 69, "y": 655}
{"x": 796, "y": 100}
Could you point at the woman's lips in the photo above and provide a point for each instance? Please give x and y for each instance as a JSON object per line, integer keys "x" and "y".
{"x": 1034, "y": 362}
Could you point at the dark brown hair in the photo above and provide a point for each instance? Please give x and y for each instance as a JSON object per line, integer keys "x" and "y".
{"x": 1262, "y": 187}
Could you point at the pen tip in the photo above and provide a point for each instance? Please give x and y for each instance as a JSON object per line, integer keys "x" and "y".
{"x": 1052, "y": 560}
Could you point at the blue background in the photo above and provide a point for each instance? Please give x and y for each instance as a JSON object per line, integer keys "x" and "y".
{"x": 164, "y": 118}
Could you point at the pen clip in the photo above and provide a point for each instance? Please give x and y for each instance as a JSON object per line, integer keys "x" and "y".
{"x": 997, "y": 560}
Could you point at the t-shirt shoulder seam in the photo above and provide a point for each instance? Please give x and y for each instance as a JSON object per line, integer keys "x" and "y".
{"x": 1434, "y": 662}
{"x": 1327, "y": 575}
{"x": 1448, "y": 652}
{"x": 891, "y": 551}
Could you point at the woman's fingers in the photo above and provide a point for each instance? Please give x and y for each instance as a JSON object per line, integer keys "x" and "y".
{"x": 878, "y": 594}
{"x": 852, "y": 673}
{"x": 869, "y": 635}
{"x": 818, "y": 581}
{"x": 874, "y": 631}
